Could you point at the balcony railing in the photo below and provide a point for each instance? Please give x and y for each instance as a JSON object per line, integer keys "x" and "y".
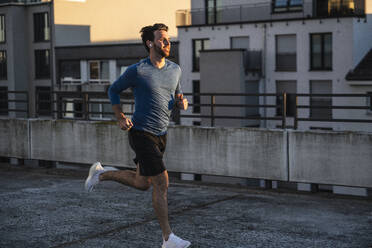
{"x": 95, "y": 105}
{"x": 268, "y": 11}
{"x": 24, "y": 1}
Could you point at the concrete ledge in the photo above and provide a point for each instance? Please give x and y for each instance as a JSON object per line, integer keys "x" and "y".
{"x": 336, "y": 158}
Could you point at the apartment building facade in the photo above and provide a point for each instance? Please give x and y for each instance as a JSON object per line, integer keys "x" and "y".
{"x": 25, "y": 51}
{"x": 277, "y": 46}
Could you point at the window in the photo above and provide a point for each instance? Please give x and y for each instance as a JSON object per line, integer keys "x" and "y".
{"x": 212, "y": 13}
{"x": 369, "y": 101}
{"x": 288, "y": 87}
{"x": 43, "y": 101}
{"x": 240, "y": 42}
{"x": 42, "y": 64}
{"x": 252, "y": 87}
{"x": 197, "y": 46}
{"x": 286, "y": 53}
{"x": 342, "y": 7}
{"x": 4, "y": 101}
{"x": 321, "y": 51}
{"x": 99, "y": 72}
{"x": 286, "y": 5}
{"x": 196, "y": 98}
{"x": 320, "y": 87}
{"x": 3, "y": 66}
{"x": 70, "y": 71}
{"x": 100, "y": 110}
{"x": 2, "y": 28}
{"x": 41, "y": 27}
{"x": 72, "y": 108}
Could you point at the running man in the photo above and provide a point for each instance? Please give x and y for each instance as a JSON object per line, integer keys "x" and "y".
{"x": 155, "y": 82}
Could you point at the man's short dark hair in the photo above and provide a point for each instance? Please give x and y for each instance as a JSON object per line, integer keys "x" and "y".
{"x": 147, "y": 33}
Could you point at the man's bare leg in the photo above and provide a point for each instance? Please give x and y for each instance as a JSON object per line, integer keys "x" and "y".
{"x": 127, "y": 177}
{"x": 160, "y": 201}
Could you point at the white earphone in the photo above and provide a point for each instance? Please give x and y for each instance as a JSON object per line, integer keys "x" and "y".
{"x": 150, "y": 45}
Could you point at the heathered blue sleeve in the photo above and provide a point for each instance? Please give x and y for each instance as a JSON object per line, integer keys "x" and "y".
{"x": 126, "y": 80}
{"x": 178, "y": 89}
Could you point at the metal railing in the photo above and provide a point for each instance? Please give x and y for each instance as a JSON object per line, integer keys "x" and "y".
{"x": 13, "y": 102}
{"x": 267, "y": 11}
{"x": 211, "y": 106}
{"x": 281, "y": 107}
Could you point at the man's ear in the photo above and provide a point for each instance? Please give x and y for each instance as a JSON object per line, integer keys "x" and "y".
{"x": 149, "y": 44}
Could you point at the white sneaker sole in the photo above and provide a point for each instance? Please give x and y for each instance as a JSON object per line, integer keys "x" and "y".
{"x": 91, "y": 173}
{"x": 188, "y": 245}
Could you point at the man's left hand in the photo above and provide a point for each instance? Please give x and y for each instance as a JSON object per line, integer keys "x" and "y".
{"x": 182, "y": 103}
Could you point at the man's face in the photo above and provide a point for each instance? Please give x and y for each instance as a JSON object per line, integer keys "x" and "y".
{"x": 161, "y": 43}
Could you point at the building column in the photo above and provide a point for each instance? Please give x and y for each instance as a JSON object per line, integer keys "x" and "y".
{"x": 112, "y": 71}
{"x": 84, "y": 71}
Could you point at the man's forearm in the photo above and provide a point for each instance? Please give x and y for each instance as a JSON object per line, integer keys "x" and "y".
{"x": 118, "y": 111}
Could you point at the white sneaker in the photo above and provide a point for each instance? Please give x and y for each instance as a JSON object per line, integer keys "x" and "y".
{"x": 93, "y": 177}
{"x": 175, "y": 242}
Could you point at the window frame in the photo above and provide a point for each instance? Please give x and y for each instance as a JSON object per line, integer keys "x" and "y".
{"x": 3, "y": 21}
{"x": 36, "y": 38}
{"x": 99, "y": 80}
{"x": 216, "y": 5}
{"x": 369, "y": 102}
{"x": 287, "y": 8}
{"x": 5, "y": 67}
{"x": 311, "y": 109}
{"x": 43, "y": 89}
{"x": 322, "y": 45}
{"x": 101, "y": 115}
{"x": 277, "y": 54}
{"x": 38, "y": 72}
{"x": 194, "y": 58}
{"x": 4, "y": 89}
{"x": 196, "y": 99}
{"x": 279, "y": 110}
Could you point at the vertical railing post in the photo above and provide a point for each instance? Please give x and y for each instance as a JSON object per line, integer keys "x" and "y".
{"x": 213, "y": 102}
{"x": 86, "y": 106}
{"x": 295, "y": 125}
{"x": 27, "y": 106}
{"x": 284, "y": 109}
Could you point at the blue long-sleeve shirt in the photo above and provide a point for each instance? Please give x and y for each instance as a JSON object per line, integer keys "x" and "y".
{"x": 154, "y": 93}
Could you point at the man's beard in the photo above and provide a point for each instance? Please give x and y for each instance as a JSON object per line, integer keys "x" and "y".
{"x": 160, "y": 51}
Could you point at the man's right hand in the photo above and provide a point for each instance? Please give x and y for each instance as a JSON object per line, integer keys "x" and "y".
{"x": 124, "y": 122}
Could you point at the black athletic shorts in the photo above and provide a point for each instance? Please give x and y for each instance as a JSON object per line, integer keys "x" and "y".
{"x": 149, "y": 150}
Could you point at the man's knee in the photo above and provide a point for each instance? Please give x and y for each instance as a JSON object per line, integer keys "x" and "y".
{"x": 145, "y": 185}
{"x": 160, "y": 182}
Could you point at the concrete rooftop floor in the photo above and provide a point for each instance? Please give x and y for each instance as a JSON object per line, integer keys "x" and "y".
{"x": 49, "y": 208}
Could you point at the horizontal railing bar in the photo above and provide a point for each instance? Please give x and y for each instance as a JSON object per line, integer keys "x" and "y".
{"x": 332, "y": 107}
{"x": 232, "y": 117}
{"x": 334, "y": 120}
{"x": 13, "y": 110}
{"x": 13, "y": 101}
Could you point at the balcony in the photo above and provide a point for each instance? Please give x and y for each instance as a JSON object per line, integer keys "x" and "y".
{"x": 270, "y": 12}
{"x": 339, "y": 8}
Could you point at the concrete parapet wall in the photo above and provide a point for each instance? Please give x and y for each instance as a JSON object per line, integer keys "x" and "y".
{"x": 237, "y": 152}
{"x": 14, "y": 139}
{"x": 80, "y": 142}
{"x": 338, "y": 158}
